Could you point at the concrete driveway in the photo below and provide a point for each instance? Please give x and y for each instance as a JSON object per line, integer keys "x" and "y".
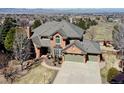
{"x": 79, "y": 73}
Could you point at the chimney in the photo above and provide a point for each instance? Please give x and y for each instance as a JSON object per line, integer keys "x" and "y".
{"x": 28, "y": 31}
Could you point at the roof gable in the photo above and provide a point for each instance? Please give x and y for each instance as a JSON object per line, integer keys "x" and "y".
{"x": 61, "y": 32}
{"x": 86, "y": 46}
{"x": 76, "y": 47}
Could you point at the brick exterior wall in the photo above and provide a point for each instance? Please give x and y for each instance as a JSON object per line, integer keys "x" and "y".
{"x": 53, "y": 41}
{"x": 53, "y": 44}
{"x": 37, "y": 51}
{"x": 73, "y": 49}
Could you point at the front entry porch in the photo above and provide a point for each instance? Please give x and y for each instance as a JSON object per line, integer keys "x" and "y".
{"x": 42, "y": 51}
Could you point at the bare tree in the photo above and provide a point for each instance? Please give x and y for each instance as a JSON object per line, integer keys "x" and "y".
{"x": 118, "y": 40}
{"x": 20, "y": 48}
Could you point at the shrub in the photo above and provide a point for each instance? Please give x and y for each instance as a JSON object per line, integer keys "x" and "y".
{"x": 112, "y": 73}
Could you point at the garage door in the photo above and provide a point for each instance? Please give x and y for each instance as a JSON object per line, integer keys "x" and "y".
{"x": 74, "y": 58}
{"x": 93, "y": 58}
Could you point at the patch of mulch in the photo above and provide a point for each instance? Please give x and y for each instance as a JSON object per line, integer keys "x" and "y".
{"x": 51, "y": 62}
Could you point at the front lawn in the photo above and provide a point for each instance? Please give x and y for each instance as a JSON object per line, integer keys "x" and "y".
{"x": 38, "y": 75}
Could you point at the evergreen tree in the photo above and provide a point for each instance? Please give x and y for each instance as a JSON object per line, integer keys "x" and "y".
{"x": 86, "y": 23}
{"x": 36, "y": 24}
{"x": 7, "y": 25}
{"x": 8, "y": 43}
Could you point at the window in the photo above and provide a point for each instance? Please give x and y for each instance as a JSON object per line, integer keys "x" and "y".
{"x": 57, "y": 39}
{"x": 58, "y": 52}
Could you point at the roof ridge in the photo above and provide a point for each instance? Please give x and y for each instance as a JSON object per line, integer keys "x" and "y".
{"x": 68, "y": 24}
{"x": 93, "y": 44}
{"x": 50, "y": 27}
{"x": 81, "y": 43}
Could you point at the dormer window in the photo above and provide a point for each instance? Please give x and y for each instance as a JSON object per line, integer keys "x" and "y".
{"x": 58, "y": 41}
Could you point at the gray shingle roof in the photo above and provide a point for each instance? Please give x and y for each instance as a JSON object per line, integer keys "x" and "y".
{"x": 37, "y": 42}
{"x": 45, "y": 42}
{"x": 91, "y": 46}
{"x": 41, "y": 42}
{"x": 69, "y": 30}
{"x": 87, "y": 46}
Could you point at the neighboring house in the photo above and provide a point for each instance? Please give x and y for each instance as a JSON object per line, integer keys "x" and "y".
{"x": 64, "y": 38}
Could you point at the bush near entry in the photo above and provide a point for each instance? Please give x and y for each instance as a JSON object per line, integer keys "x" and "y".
{"x": 112, "y": 73}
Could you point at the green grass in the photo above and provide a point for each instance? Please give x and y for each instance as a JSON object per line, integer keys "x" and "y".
{"x": 38, "y": 75}
{"x": 103, "y": 31}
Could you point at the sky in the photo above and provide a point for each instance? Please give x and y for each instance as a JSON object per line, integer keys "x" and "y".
{"x": 61, "y": 3}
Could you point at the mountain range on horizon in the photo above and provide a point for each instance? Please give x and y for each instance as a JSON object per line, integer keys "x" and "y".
{"x": 59, "y": 10}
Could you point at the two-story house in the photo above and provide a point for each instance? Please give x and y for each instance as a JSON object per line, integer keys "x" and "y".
{"x": 64, "y": 37}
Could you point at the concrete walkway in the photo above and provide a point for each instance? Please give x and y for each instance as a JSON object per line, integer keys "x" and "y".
{"x": 79, "y": 73}
{"x": 50, "y": 67}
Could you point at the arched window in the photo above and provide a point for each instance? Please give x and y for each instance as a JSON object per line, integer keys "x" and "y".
{"x": 58, "y": 40}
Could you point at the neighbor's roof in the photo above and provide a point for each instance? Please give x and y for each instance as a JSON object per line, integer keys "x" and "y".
{"x": 87, "y": 46}
{"x": 66, "y": 28}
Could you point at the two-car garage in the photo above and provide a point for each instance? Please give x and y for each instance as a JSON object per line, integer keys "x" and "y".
{"x": 81, "y": 58}
{"x": 76, "y": 52}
